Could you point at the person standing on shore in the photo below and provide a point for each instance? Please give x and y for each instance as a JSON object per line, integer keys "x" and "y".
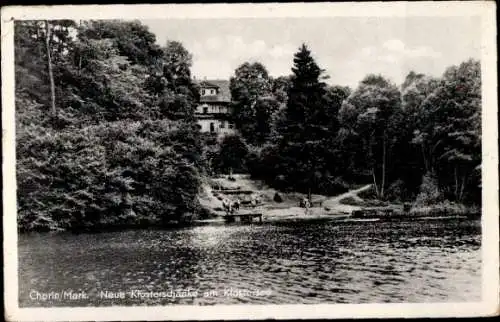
{"x": 236, "y": 204}
{"x": 306, "y": 204}
{"x": 226, "y": 204}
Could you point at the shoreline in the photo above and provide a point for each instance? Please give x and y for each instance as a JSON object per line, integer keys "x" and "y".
{"x": 267, "y": 219}
{"x": 331, "y": 208}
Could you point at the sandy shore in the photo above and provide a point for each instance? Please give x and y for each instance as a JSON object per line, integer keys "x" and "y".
{"x": 324, "y": 206}
{"x": 284, "y": 214}
{"x": 296, "y": 213}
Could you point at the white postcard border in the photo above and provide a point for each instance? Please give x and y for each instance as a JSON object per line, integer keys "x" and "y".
{"x": 490, "y": 223}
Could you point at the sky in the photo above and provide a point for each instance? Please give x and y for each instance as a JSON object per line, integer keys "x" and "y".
{"x": 348, "y": 48}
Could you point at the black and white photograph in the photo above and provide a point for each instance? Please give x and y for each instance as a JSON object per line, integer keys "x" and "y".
{"x": 250, "y": 161}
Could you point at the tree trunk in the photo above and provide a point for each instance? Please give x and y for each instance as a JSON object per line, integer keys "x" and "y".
{"x": 375, "y": 182}
{"x": 38, "y": 38}
{"x": 80, "y": 55}
{"x": 462, "y": 188}
{"x": 51, "y": 75}
{"x": 383, "y": 167}
{"x": 79, "y": 64}
{"x": 426, "y": 165}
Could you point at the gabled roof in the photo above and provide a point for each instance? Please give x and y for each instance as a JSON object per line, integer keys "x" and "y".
{"x": 223, "y": 88}
{"x": 208, "y": 84}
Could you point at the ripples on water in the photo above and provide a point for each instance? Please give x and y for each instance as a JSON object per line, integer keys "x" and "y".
{"x": 300, "y": 262}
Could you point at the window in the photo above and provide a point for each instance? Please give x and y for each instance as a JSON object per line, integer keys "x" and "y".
{"x": 212, "y": 127}
{"x": 203, "y": 92}
{"x": 222, "y": 124}
{"x": 231, "y": 125}
{"x": 205, "y": 109}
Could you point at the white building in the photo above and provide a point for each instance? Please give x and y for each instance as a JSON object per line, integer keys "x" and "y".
{"x": 213, "y": 111}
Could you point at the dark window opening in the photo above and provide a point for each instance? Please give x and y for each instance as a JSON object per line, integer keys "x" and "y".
{"x": 205, "y": 110}
{"x": 212, "y": 127}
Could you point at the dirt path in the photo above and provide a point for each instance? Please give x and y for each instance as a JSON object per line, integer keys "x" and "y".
{"x": 333, "y": 204}
{"x": 351, "y": 193}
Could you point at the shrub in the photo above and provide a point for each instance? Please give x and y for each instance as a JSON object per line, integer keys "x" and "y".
{"x": 397, "y": 191}
{"x": 351, "y": 201}
{"x": 277, "y": 197}
{"x": 116, "y": 173}
{"x": 332, "y": 185}
{"x": 205, "y": 213}
{"x": 443, "y": 208}
{"x": 231, "y": 155}
{"x": 254, "y": 162}
{"x": 368, "y": 194}
{"x": 363, "y": 203}
{"x": 429, "y": 191}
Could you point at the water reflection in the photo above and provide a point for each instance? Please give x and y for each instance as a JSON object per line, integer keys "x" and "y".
{"x": 303, "y": 262}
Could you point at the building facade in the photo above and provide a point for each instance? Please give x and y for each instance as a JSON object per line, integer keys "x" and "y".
{"x": 213, "y": 112}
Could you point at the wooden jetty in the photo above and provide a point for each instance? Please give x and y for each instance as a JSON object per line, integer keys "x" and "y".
{"x": 243, "y": 217}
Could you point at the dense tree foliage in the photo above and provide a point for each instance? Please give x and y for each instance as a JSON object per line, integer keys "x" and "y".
{"x": 107, "y": 135}
{"x": 420, "y": 141}
{"x": 448, "y": 131}
{"x": 232, "y": 154}
{"x": 122, "y": 147}
{"x": 251, "y": 89}
{"x": 370, "y": 113}
{"x": 301, "y": 151}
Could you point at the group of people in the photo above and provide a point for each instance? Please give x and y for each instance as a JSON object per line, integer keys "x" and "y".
{"x": 229, "y": 206}
{"x": 232, "y": 206}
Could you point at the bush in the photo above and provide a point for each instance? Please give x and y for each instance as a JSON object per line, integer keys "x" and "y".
{"x": 396, "y": 191}
{"x": 118, "y": 173}
{"x": 429, "y": 191}
{"x": 368, "y": 194}
{"x": 277, "y": 197}
{"x": 363, "y": 203}
{"x": 59, "y": 176}
{"x": 332, "y": 186}
{"x": 232, "y": 155}
{"x": 351, "y": 201}
{"x": 205, "y": 213}
{"x": 443, "y": 208}
{"x": 254, "y": 162}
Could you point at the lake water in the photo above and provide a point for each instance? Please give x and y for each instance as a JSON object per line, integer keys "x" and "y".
{"x": 272, "y": 263}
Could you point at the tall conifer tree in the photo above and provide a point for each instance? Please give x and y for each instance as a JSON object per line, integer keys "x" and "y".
{"x": 306, "y": 124}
